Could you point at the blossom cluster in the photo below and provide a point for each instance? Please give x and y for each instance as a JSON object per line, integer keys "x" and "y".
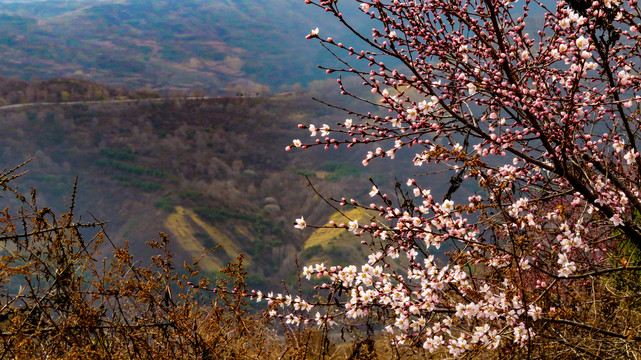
{"x": 538, "y": 129}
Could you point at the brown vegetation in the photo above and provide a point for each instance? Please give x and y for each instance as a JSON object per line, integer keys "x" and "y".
{"x": 62, "y": 300}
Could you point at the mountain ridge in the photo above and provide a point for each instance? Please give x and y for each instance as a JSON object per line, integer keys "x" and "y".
{"x": 218, "y": 47}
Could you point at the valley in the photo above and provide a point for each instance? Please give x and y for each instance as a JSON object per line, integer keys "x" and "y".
{"x": 207, "y": 171}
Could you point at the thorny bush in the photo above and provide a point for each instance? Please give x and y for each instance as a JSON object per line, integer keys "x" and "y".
{"x": 60, "y": 301}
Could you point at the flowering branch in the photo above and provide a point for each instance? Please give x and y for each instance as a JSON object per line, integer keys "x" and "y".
{"x": 534, "y": 111}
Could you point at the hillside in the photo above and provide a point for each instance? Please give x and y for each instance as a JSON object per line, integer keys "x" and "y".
{"x": 207, "y": 171}
{"x": 215, "y": 47}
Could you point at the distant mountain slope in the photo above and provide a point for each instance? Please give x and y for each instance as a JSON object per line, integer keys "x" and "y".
{"x": 218, "y": 46}
{"x": 208, "y": 172}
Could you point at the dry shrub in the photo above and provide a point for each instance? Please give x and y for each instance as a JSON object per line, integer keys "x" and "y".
{"x": 60, "y": 302}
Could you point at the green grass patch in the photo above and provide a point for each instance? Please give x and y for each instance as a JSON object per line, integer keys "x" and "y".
{"x": 216, "y": 214}
{"x": 121, "y": 155}
{"x": 166, "y": 204}
{"x": 306, "y": 172}
{"x": 191, "y": 195}
{"x": 339, "y": 170}
{"x": 205, "y": 239}
{"x": 130, "y": 168}
{"x": 146, "y": 186}
{"x": 311, "y": 251}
